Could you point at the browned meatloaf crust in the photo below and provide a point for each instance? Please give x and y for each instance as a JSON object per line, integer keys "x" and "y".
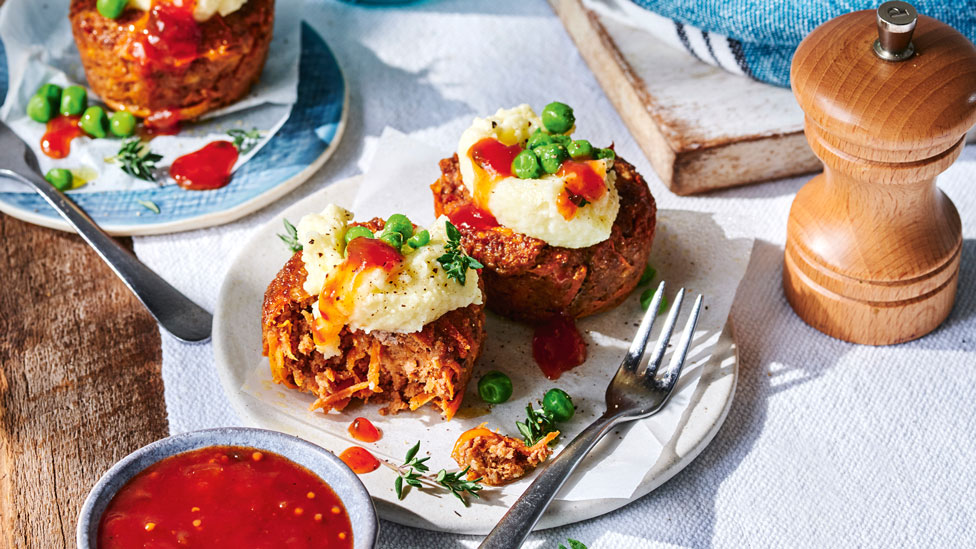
{"x": 498, "y": 459}
{"x": 406, "y": 370}
{"x": 527, "y": 279}
{"x": 231, "y": 56}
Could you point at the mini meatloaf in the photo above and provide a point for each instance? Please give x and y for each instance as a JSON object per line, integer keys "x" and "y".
{"x": 498, "y": 459}
{"x": 402, "y": 370}
{"x": 162, "y": 60}
{"x": 527, "y": 279}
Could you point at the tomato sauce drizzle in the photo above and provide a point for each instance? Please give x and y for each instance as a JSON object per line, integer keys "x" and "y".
{"x": 61, "y": 130}
{"x": 164, "y": 122}
{"x": 206, "y": 169}
{"x": 583, "y": 182}
{"x": 171, "y": 38}
{"x": 363, "y": 430}
{"x": 225, "y": 497}
{"x": 473, "y": 217}
{"x": 493, "y": 161}
{"x": 359, "y": 460}
{"x": 361, "y": 254}
{"x": 557, "y": 346}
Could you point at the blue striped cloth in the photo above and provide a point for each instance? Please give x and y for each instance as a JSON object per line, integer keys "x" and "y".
{"x": 760, "y": 36}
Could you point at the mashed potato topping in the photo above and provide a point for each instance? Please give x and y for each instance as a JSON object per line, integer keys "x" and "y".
{"x": 411, "y": 295}
{"x": 531, "y": 206}
{"x": 202, "y": 11}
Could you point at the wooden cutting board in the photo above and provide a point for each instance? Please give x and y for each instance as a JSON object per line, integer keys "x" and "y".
{"x": 702, "y": 128}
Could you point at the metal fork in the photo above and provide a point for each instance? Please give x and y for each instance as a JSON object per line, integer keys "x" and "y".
{"x": 631, "y": 395}
{"x": 179, "y": 316}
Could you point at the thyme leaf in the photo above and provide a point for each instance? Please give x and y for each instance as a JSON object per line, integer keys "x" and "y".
{"x": 537, "y": 424}
{"x": 137, "y": 159}
{"x": 290, "y": 238}
{"x": 455, "y": 262}
{"x": 411, "y": 473}
{"x": 245, "y": 140}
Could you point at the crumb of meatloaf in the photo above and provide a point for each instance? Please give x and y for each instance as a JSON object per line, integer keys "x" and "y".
{"x": 231, "y": 56}
{"x": 527, "y": 279}
{"x": 404, "y": 371}
{"x": 496, "y": 458}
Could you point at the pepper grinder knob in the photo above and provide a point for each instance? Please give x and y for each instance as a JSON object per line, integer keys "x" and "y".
{"x": 896, "y": 23}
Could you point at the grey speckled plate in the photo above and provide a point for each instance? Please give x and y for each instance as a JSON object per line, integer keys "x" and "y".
{"x": 329, "y": 468}
{"x": 237, "y": 351}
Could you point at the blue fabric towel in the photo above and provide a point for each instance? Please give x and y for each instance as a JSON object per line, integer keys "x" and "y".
{"x": 763, "y": 34}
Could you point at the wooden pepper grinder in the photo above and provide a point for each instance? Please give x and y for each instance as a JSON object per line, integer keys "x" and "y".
{"x": 872, "y": 245}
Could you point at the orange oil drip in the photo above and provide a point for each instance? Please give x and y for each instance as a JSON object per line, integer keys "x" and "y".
{"x": 584, "y": 181}
{"x": 492, "y": 161}
{"x": 359, "y": 460}
{"x": 557, "y": 346}
{"x": 56, "y": 141}
{"x": 363, "y": 430}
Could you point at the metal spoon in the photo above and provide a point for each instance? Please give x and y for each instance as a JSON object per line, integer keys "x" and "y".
{"x": 179, "y": 316}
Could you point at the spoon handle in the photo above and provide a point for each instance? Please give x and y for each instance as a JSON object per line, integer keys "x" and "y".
{"x": 179, "y": 316}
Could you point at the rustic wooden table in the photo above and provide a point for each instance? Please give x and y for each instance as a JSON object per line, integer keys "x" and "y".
{"x": 80, "y": 383}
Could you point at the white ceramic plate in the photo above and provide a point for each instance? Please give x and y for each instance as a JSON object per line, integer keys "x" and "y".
{"x": 237, "y": 350}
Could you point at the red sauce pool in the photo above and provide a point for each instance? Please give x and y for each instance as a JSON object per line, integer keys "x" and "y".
{"x": 363, "y": 430}
{"x": 473, "y": 217}
{"x": 557, "y": 346}
{"x": 494, "y": 157}
{"x": 359, "y": 460}
{"x": 208, "y": 168}
{"x": 225, "y": 497}
{"x": 56, "y": 141}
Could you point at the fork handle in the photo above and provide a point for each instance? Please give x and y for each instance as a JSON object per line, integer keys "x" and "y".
{"x": 175, "y": 312}
{"x": 517, "y": 523}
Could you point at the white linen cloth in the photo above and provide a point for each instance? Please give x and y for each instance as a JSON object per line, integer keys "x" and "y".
{"x": 827, "y": 444}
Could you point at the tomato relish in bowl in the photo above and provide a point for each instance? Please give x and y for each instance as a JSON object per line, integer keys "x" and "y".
{"x": 228, "y": 488}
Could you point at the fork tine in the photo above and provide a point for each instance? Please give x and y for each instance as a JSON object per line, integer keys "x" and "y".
{"x": 633, "y": 357}
{"x": 662, "y": 341}
{"x": 681, "y": 351}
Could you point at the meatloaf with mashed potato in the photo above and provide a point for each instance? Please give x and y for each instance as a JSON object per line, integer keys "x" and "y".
{"x": 530, "y": 280}
{"x": 162, "y": 59}
{"x": 403, "y": 370}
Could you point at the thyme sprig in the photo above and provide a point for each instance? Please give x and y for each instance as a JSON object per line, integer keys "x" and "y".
{"x": 573, "y": 544}
{"x": 413, "y": 473}
{"x": 455, "y": 262}
{"x": 245, "y": 140}
{"x": 290, "y": 238}
{"x": 458, "y": 483}
{"x": 137, "y": 159}
{"x": 537, "y": 424}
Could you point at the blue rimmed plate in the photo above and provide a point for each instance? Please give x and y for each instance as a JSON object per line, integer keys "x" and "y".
{"x": 299, "y": 148}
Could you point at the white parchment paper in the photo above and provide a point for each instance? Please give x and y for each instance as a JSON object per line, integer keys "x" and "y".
{"x": 40, "y": 49}
{"x": 690, "y": 251}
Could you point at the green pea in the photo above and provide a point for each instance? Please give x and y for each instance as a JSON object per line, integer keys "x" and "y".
{"x": 526, "y": 166}
{"x": 559, "y": 405}
{"x": 551, "y": 157}
{"x": 74, "y": 99}
{"x": 94, "y": 122}
{"x": 419, "y": 239}
{"x": 60, "y": 178}
{"x": 39, "y": 109}
{"x": 495, "y": 387}
{"x": 558, "y": 117}
{"x": 563, "y": 140}
{"x": 356, "y": 232}
{"x": 111, "y": 8}
{"x": 648, "y": 295}
{"x": 580, "y": 148}
{"x": 51, "y": 92}
{"x": 538, "y": 139}
{"x": 648, "y": 275}
{"x": 606, "y": 153}
{"x": 392, "y": 238}
{"x": 122, "y": 123}
{"x": 399, "y": 223}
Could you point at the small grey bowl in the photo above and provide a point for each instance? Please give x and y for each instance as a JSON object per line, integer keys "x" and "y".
{"x": 318, "y": 460}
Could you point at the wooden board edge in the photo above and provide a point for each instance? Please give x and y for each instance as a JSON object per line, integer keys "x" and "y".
{"x": 619, "y": 82}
